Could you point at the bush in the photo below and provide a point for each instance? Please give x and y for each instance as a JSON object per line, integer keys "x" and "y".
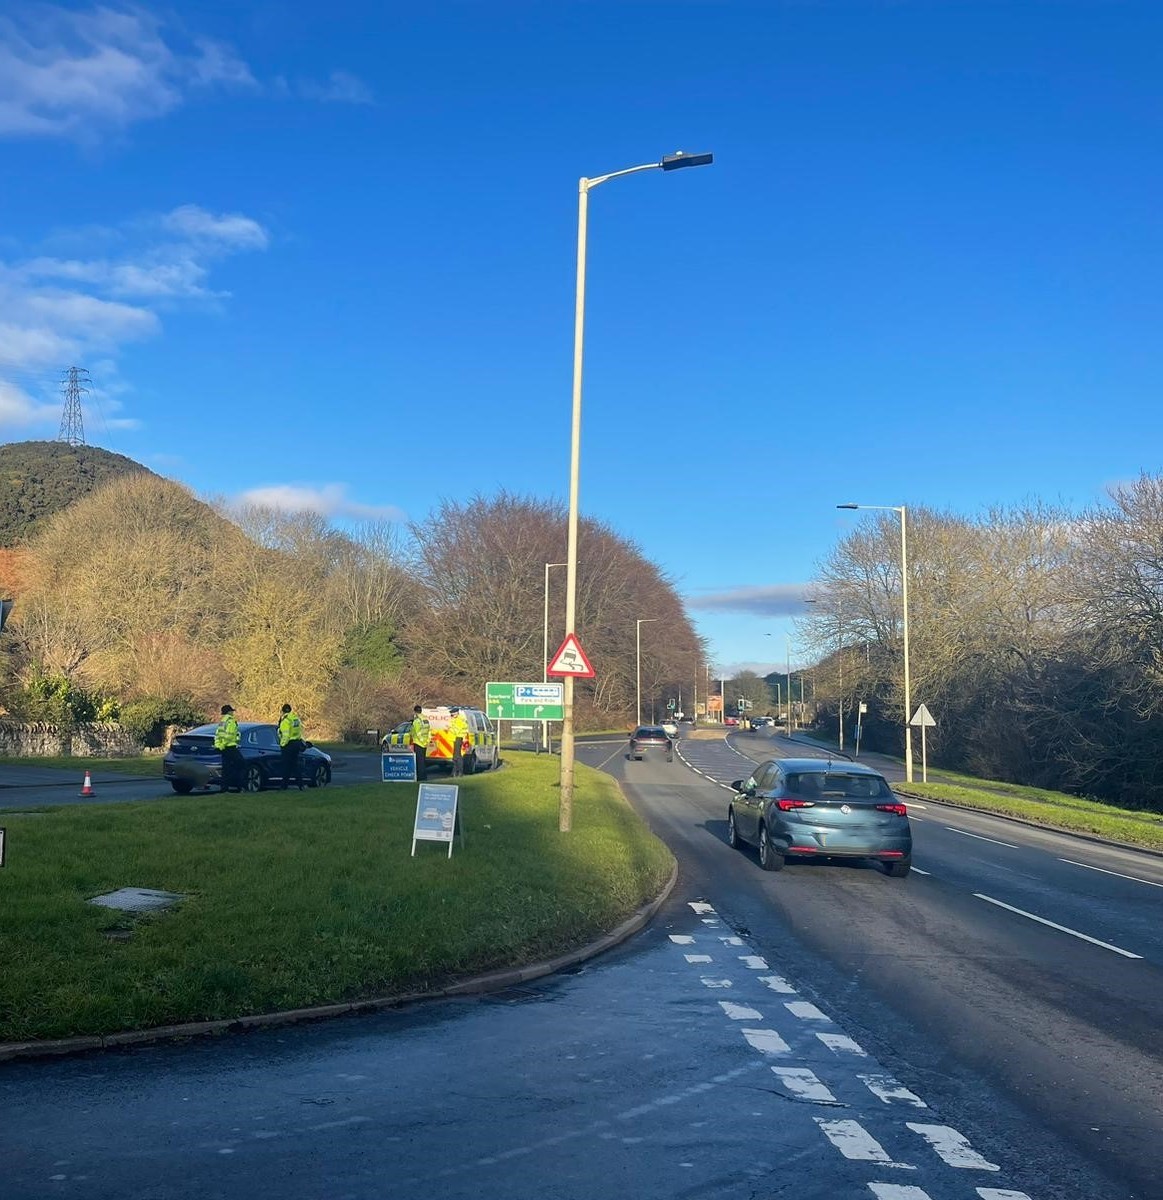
{"x": 56, "y": 700}
{"x": 146, "y": 719}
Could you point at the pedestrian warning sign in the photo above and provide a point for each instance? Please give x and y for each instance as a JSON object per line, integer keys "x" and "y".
{"x": 570, "y": 659}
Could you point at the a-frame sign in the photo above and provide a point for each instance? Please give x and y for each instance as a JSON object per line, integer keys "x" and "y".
{"x": 570, "y": 659}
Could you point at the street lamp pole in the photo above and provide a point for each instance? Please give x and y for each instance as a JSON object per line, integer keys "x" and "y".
{"x": 638, "y": 666}
{"x": 900, "y": 508}
{"x": 669, "y": 163}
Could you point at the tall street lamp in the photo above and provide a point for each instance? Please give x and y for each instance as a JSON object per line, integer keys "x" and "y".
{"x": 638, "y": 665}
{"x": 671, "y": 162}
{"x": 900, "y": 508}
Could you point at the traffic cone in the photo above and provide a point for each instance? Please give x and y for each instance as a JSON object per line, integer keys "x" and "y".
{"x": 87, "y": 786}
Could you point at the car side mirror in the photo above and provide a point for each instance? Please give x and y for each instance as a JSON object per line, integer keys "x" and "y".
{"x": 737, "y": 784}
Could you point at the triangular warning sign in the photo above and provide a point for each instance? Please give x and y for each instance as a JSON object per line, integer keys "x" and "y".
{"x": 570, "y": 659}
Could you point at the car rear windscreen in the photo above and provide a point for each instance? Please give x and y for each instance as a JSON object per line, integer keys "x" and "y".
{"x": 851, "y": 787}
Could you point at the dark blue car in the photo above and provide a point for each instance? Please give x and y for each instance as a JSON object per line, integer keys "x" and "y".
{"x": 192, "y": 762}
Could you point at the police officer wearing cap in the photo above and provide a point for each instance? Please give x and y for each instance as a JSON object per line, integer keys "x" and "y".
{"x": 227, "y": 738}
{"x": 460, "y": 733}
{"x": 291, "y": 742}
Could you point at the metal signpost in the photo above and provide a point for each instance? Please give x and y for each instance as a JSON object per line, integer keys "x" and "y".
{"x": 437, "y": 817}
{"x": 862, "y": 708}
{"x": 542, "y": 702}
{"x": 398, "y": 765}
{"x": 2, "y": 832}
{"x": 924, "y": 719}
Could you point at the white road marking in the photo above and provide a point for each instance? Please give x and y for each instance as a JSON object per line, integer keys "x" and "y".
{"x": 915, "y": 818}
{"x": 898, "y": 1191}
{"x": 682, "y": 939}
{"x": 713, "y": 922}
{"x": 777, "y": 984}
{"x": 766, "y": 1041}
{"x": 855, "y": 1142}
{"x": 1053, "y": 925}
{"x": 697, "y": 958}
{"x": 920, "y": 872}
{"x": 805, "y": 1084}
{"x": 841, "y": 1043}
{"x": 753, "y": 962}
{"x": 700, "y": 906}
{"x": 740, "y": 1012}
{"x": 805, "y": 1011}
{"x": 922, "y": 807}
{"x": 1001, "y": 1194}
{"x": 982, "y": 839}
{"x": 1135, "y": 878}
{"x": 885, "y": 1088}
{"x": 707, "y": 981}
{"x": 731, "y": 941}
{"x": 952, "y": 1147}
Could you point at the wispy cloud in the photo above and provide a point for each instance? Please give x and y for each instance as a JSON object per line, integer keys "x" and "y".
{"x": 85, "y": 73}
{"x": 329, "y": 500}
{"x": 62, "y": 310}
{"x": 770, "y": 600}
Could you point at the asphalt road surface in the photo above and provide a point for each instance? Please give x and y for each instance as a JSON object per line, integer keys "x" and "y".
{"x": 824, "y": 1033}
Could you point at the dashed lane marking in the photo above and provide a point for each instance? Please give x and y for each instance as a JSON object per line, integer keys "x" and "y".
{"x": 1135, "y": 878}
{"x": 731, "y": 941}
{"x": 898, "y": 1191}
{"x": 777, "y": 984}
{"x": 920, "y": 872}
{"x": 856, "y": 1143}
{"x": 1001, "y": 1194}
{"x": 804, "y": 1084}
{"x": 753, "y": 962}
{"x": 840, "y": 1043}
{"x": 1021, "y": 912}
{"x": 698, "y": 907}
{"x": 707, "y": 981}
{"x": 805, "y": 1011}
{"x": 952, "y": 1147}
{"x": 682, "y": 939}
{"x": 697, "y": 958}
{"x": 885, "y": 1088}
{"x": 766, "y": 1041}
{"x": 740, "y": 1012}
{"x": 979, "y": 837}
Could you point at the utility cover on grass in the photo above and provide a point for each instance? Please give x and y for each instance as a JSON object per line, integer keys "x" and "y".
{"x": 132, "y": 899}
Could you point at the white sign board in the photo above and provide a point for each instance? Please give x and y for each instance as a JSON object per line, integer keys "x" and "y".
{"x": 436, "y": 815}
{"x": 923, "y": 717}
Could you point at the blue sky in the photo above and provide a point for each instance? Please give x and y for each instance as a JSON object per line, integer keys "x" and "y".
{"x": 324, "y": 254}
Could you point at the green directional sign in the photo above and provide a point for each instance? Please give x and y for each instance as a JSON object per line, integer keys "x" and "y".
{"x": 525, "y": 701}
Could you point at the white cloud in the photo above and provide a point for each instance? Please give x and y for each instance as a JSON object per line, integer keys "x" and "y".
{"x": 330, "y": 500}
{"x": 65, "y": 73}
{"x": 59, "y": 311}
{"x": 771, "y": 600}
{"x": 82, "y": 73}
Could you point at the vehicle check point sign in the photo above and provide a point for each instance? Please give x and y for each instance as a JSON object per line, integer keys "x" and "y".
{"x": 570, "y": 659}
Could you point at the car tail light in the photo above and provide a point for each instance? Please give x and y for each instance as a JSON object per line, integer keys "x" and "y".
{"x": 899, "y": 809}
{"x": 786, "y": 804}
{"x": 890, "y": 854}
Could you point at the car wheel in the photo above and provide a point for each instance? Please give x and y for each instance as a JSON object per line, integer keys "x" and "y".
{"x": 898, "y": 870}
{"x": 470, "y": 763}
{"x": 321, "y": 776}
{"x": 732, "y": 832}
{"x": 770, "y": 858}
{"x": 252, "y": 781}
{"x": 182, "y": 786}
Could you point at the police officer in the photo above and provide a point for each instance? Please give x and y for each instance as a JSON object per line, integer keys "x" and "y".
{"x": 226, "y": 739}
{"x": 459, "y": 731}
{"x": 421, "y": 736}
{"x": 291, "y": 741}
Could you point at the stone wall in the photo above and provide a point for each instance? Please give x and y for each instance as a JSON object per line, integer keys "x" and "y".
{"x": 35, "y": 739}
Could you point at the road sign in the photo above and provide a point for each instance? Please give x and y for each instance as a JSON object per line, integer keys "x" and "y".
{"x": 398, "y": 766}
{"x": 525, "y": 701}
{"x": 923, "y": 717}
{"x": 570, "y": 659}
{"x": 436, "y": 815}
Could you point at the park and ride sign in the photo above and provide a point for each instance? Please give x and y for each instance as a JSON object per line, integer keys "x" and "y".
{"x": 525, "y": 701}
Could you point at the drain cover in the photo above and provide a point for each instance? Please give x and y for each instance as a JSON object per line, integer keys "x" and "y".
{"x": 137, "y": 899}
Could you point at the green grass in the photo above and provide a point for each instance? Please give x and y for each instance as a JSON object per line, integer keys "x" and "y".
{"x": 307, "y": 900}
{"x": 1047, "y": 808}
{"x": 139, "y": 764}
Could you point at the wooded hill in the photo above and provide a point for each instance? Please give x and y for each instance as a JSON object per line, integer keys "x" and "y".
{"x": 38, "y": 479}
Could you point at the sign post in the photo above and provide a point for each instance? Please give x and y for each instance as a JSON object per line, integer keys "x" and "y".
{"x": 437, "y": 818}
{"x": 861, "y": 709}
{"x": 2, "y": 833}
{"x": 924, "y": 719}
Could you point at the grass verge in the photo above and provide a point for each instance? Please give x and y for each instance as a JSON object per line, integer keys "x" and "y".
{"x": 139, "y": 764}
{"x": 307, "y": 900}
{"x": 1047, "y": 808}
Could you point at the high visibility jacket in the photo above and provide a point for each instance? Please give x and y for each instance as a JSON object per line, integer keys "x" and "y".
{"x": 458, "y": 728}
{"x": 421, "y": 731}
{"x": 290, "y": 729}
{"x": 226, "y": 732}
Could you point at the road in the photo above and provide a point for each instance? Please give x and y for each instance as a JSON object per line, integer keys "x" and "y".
{"x": 826, "y": 1032}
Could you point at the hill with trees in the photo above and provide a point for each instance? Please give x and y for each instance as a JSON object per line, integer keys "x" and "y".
{"x": 38, "y": 479}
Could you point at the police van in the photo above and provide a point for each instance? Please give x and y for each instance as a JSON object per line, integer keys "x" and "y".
{"x": 481, "y": 751}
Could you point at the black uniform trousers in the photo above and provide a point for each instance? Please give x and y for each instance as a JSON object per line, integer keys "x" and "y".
{"x": 233, "y": 767}
{"x": 293, "y": 762}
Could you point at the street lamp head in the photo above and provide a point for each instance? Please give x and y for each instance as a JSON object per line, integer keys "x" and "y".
{"x": 672, "y": 162}
{"x": 847, "y": 505}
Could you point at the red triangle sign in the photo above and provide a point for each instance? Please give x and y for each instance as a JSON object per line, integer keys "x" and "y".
{"x": 570, "y": 659}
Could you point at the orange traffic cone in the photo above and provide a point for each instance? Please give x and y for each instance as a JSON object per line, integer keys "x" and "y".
{"x": 87, "y": 786}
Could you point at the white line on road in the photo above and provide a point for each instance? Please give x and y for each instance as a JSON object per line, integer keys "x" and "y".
{"x": 1053, "y": 925}
{"x": 740, "y": 1012}
{"x": 898, "y": 1191}
{"x": 920, "y": 872}
{"x": 838, "y": 1042}
{"x": 1001, "y": 1194}
{"x": 1148, "y": 882}
{"x": 982, "y": 839}
{"x": 885, "y": 1088}
{"x": 805, "y": 1084}
{"x": 952, "y": 1147}
{"x": 706, "y": 981}
{"x": 855, "y": 1142}
{"x": 753, "y": 962}
{"x": 682, "y": 939}
{"x": 701, "y": 906}
{"x": 777, "y": 984}
{"x": 805, "y": 1011}
{"x": 697, "y": 958}
{"x": 766, "y": 1041}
